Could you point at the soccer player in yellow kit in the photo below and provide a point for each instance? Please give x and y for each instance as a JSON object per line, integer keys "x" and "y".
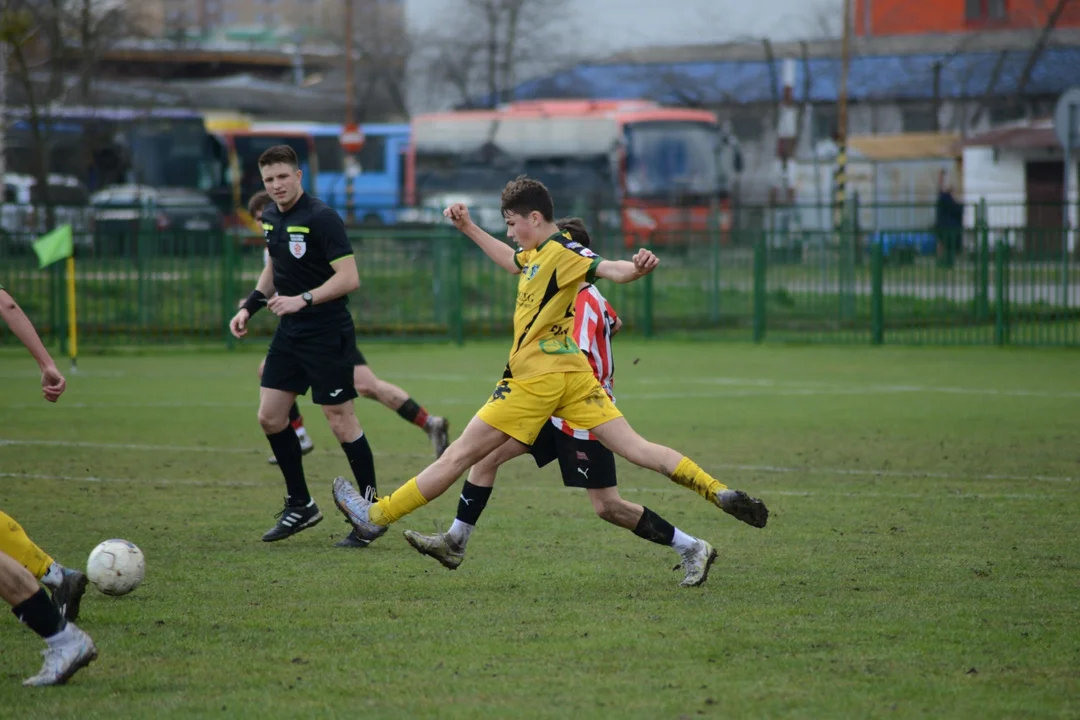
{"x": 547, "y": 374}
{"x": 23, "y": 564}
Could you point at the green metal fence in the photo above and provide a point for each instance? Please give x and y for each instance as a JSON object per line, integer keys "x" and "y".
{"x": 982, "y": 285}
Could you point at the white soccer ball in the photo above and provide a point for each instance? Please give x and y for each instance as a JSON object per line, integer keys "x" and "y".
{"x": 116, "y": 567}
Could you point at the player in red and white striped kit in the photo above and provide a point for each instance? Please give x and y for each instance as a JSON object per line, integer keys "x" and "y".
{"x": 584, "y": 461}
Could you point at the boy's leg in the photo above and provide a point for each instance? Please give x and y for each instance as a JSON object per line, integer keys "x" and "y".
{"x": 69, "y": 648}
{"x": 300, "y": 511}
{"x": 586, "y": 405}
{"x": 696, "y": 556}
{"x": 16, "y": 544}
{"x": 517, "y": 409}
{"x": 67, "y": 585}
{"x": 296, "y": 421}
{"x": 623, "y": 441}
{"x": 449, "y": 547}
{"x": 369, "y": 386}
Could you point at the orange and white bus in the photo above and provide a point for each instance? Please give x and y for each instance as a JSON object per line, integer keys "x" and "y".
{"x": 654, "y": 172}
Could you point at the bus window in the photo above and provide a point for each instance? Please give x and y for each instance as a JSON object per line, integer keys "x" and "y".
{"x": 328, "y": 151}
{"x": 372, "y": 156}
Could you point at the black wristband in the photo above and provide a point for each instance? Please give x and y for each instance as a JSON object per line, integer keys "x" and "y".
{"x": 254, "y": 303}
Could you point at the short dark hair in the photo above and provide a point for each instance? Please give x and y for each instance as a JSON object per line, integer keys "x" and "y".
{"x": 279, "y": 154}
{"x": 524, "y": 195}
{"x": 258, "y": 202}
{"x": 576, "y": 227}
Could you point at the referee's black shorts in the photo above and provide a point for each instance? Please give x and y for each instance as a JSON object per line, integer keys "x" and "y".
{"x": 584, "y": 463}
{"x": 317, "y": 354}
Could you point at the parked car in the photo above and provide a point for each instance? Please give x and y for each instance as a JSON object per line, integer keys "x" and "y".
{"x": 177, "y": 220}
{"x": 23, "y": 218}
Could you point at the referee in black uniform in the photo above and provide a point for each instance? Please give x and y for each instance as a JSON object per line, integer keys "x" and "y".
{"x": 310, "y": 272}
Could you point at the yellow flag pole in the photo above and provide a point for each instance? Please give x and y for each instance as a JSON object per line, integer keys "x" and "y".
{"x": 73, "y": 347}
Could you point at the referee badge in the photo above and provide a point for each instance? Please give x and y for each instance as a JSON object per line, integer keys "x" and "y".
{"x": 297, "y": 245}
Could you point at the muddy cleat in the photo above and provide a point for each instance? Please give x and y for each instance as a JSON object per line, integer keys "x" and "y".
{"x": 292, "y": 519}
{"x": 65, "y": 658}
{"x": 438, "y": 431}
{"x": 352, "y": 541}
{"x": 439, "y": 546}
{"x": 68, "y": 595}
{"x": 742, "y": 507}
{"x": 696, "y": 562}
{"x": 306, "y": 446}
{"x": 355, "y": 508}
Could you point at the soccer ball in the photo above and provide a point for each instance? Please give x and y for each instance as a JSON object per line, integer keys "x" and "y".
{"x": 116, "y": 567}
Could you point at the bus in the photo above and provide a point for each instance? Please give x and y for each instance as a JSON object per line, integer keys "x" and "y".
{"x": 378, "y": 188}
{"x": 655, "y": 173}
{"x": 100, "y": 146}
{"x": 241, "y": 148}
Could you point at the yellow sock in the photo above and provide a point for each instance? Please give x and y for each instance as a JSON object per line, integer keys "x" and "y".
{"x": 397, "y": 504}
{"x": 689, "y": 475}
{"x": 15, "y": 543}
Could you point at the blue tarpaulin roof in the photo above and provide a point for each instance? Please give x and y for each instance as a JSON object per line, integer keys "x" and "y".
{"x": 874, "y": 77}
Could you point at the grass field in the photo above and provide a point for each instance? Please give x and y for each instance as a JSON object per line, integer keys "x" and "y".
{"x": 921, "y": 558}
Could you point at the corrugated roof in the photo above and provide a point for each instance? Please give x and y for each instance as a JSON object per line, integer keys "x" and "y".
{"x": 874, "y": 77}
{"x": 1037, "y": 134}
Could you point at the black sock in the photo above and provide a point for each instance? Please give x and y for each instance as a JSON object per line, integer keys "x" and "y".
{"x": 286, "y": 447}
{"x": 362, "y": 462}
{"x": 40, "y": 615}
{"x": 412, "y": 412}
{"x": 472, "y": 502}
{"x": 654, "y": 528}
{"x": 294, "y": 413}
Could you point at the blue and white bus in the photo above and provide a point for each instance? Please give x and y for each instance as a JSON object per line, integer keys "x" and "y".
{"x": 378, "y": 189}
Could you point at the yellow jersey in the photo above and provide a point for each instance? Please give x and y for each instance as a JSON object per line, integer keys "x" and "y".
{"x": 544, "y": 316}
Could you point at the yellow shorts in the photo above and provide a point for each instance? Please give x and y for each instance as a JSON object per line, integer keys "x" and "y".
{"x": 521, "y": 407}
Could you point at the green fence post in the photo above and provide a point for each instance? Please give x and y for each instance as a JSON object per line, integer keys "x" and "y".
{"x": 982, "y": 265}
{"x": 1001, "y": 294}
{"x": 877, "y": 294}
{"x": 229, "y": 285}
{"x": 760, "y": 287}
{"x": 457, "y": 288}
{"x": 714, "y": 248}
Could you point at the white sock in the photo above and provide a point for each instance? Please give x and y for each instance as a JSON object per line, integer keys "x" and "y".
{"x": 53, "y": 576}
{"x": 682, "y": 542}
{"x": 62, "y": 637}
{"x": 459, "y": 532}
{"x": 301, "y": 432}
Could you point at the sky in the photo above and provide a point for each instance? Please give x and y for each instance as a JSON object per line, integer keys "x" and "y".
{"x": 613, "y": 25}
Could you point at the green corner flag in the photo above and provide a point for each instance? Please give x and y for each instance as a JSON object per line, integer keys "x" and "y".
{"x": 55, "y": 246}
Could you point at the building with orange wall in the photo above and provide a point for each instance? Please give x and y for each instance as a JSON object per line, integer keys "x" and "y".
{"x": 882, "y": 18}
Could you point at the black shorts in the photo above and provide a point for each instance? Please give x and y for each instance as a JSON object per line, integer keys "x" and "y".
{"x": 320, "y": 357}
{"x": 584, "y": 463}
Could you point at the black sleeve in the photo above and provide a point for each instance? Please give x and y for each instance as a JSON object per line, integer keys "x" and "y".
{"x": 328, "y": 227}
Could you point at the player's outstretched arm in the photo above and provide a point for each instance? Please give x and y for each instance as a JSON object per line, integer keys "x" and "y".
{"x": 500, "y": 252}
{"x": 624, "y": 271}
{"x": 52, "y": 382}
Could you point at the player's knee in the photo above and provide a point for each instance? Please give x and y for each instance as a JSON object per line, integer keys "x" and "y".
{"x": 367, "y": 388}
{"x": 272, "y": 423}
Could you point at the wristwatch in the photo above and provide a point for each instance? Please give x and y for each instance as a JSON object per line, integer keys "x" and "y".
{"x": 308, "y": 299}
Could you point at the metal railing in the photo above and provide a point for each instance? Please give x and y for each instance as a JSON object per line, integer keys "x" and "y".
{"x": 977, "y": 285}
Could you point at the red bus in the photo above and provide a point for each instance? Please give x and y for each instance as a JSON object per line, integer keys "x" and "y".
{"x": 654, "y": 172}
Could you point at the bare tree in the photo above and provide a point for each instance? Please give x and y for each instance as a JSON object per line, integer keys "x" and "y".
{"x": 382, "y": 50}
{"x": 485, "y": 47}
{"x": 54, "y": 46}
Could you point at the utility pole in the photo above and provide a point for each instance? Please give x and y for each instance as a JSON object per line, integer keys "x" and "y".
{"x": 350, "y": 119}
{"x": 840, "y": 181}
